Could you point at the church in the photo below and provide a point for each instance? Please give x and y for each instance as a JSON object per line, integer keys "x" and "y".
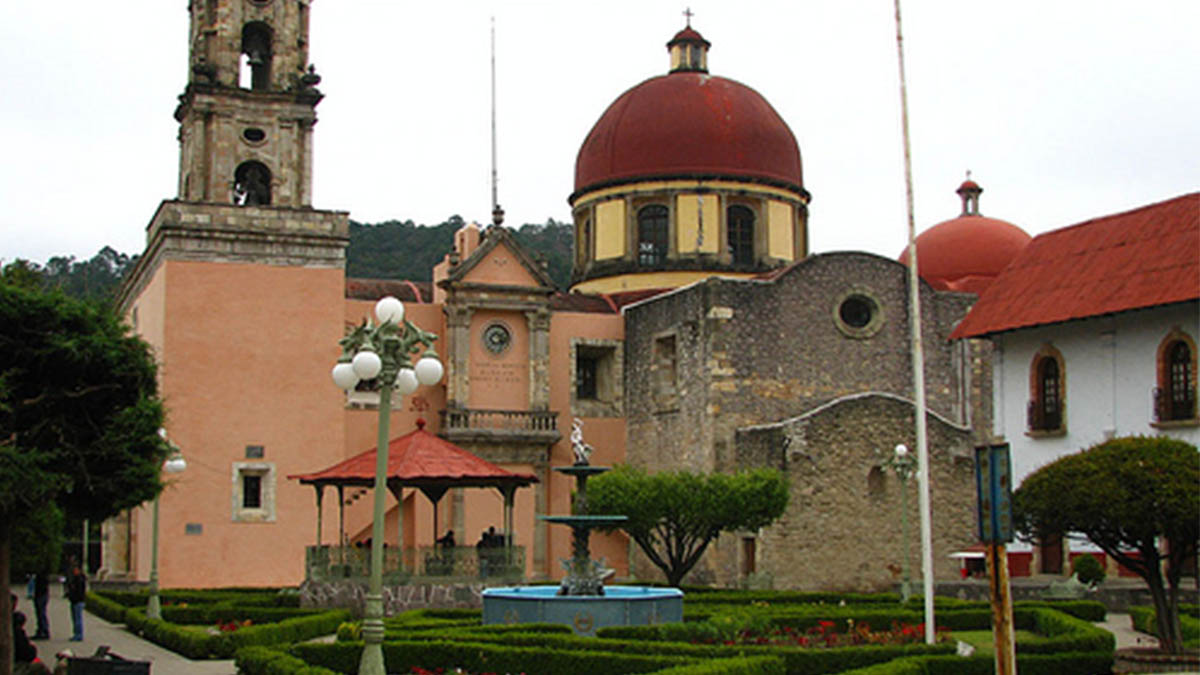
{"x": 699, "y": 333}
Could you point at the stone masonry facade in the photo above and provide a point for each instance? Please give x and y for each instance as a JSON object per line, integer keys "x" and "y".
{"x": 723, "y": 355}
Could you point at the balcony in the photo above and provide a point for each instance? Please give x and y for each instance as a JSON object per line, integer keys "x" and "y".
{"x": 422, "y": 564}
{"x": 476, "y": 425}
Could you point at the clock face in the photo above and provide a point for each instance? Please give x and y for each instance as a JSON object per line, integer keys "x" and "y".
{"x": 497, "y": 338}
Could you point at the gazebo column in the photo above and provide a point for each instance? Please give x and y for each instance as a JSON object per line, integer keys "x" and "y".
{"x": 398, "y": 492}
{"x": 509, "y": 493}
{"x": 320, "y": 512}
{"x": 341, "y": 525}
{"x": 458, "y": 516}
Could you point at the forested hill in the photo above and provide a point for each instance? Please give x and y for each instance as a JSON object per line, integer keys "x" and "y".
{"x": 388, "y": 250}
{"x": 404, "y": 250}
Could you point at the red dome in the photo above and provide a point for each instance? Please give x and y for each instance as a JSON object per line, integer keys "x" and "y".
{"x": 686, "y": 125}
{"x": 967, "y": 253}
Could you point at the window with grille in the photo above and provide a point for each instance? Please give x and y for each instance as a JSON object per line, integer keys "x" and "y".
{"x": 1175, "y": 397}
{"x": 652, "y": 235}
{"x": 739, "y": 230}
{"x": 1046, "y": 405}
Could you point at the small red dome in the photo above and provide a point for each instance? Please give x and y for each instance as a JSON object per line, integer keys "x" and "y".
{"x": 688, "y": 34}
{"x": 966, "y": 253}
{"x": 688, "y": 125}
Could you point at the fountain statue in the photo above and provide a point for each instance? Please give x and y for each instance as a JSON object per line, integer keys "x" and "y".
{"x": 582, "y": 597}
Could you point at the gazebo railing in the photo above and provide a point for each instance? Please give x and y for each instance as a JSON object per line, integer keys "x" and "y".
{"x": 334, "y": 563}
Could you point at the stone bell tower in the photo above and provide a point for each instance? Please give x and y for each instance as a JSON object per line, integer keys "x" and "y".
{"x": 247, "y": 115}
{"x": 241, "y": 293}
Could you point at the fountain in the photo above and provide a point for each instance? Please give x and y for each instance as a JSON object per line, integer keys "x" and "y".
{"x": 582, "y": 601}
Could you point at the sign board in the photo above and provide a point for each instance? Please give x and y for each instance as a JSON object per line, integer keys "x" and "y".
{"x": 993, "y": 484}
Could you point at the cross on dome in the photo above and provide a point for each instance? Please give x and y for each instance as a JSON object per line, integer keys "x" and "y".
{"x": 688, "y": 14}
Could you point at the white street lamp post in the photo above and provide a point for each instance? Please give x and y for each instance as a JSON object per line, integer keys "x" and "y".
{"x": 383, "y": 351}
{"x": 903, "y": 464}
{"x": 174, "y": 464}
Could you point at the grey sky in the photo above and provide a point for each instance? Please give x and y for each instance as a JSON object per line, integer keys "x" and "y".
{"x": 1064, "y": 110}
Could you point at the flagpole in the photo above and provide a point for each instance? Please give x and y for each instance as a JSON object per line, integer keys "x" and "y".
{"x": 918, "y": 359}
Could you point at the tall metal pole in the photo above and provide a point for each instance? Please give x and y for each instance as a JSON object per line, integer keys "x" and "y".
{"x": 906, "y": 581}
{"x": 372, "y": 655}
{"x": 918, "y": 360}
{"x": 154, "y": 606}
{"x": 495, "y": 178}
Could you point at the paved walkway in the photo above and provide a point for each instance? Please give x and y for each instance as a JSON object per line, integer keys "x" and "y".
{"x": 97, "y": 632}
{"x": 1121, "y": 627}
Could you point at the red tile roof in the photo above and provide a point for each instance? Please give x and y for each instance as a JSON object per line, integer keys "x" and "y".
{"x": 418, "y": 459}
{"x": 374, "y": 289}
{"x": 1141, "y": 258}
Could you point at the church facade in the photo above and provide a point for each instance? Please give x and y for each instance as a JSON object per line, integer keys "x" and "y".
{"x": 699, "y": 334}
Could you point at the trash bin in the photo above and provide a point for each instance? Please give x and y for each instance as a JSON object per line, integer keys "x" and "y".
{"x": 104, "y": 662}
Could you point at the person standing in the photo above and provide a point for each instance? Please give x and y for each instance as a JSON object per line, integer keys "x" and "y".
{"x": 77, "y": 594}
{"x": 41, "y": 598}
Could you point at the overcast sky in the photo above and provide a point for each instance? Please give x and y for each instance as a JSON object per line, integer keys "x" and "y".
{"x": 1063, "y": 109}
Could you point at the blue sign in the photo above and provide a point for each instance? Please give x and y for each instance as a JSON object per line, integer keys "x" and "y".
{"x": 993, "y": 484}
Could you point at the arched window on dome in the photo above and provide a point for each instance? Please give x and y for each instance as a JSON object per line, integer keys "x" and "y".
{"x": 1047, "y": 391}
{"x": 739, "y": 233}
{"x": 653, "y": 229}
{"x": 1175, "y": 396}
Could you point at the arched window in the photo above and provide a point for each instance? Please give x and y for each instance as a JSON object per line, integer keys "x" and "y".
{"x": 1046, "y": 391}
{"x": 739, "y": 232}
{"x": 1175, "y": 397}
{"x": 256, "y": 48}
{"x": 652, "y": 235}
{"x": 252, "y": 184}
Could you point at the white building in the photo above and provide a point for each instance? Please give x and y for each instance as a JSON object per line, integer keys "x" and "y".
{"x": 1095, "y": 329}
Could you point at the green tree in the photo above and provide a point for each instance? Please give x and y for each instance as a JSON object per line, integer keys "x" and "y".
{"x": 1125, "y": 495}
{"x": 79, "y": 416}
{"x": 674, "y": 516}
{"x": 38, "y": 541}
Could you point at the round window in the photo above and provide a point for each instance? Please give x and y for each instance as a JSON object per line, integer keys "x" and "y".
{"x": 497, "y": 338}
{"x": 856, "y": 311}
{"x": 254, "y": 135}
{"x": 857, "y": 315}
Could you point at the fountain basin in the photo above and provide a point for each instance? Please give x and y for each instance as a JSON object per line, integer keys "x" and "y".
{"x": 585, "y": 614}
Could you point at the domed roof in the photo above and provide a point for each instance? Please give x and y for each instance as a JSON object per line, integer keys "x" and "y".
{"x": 968, "y": 252}
{"x": 689, "y": 124}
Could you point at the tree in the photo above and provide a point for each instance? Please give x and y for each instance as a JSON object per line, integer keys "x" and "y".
{"x": 1125, "y": 495}
{"x": 79, "y": 416}
{"x": 674, "y": 516}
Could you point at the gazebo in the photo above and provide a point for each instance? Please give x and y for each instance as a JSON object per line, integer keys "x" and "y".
{"x": 430, "y": 464}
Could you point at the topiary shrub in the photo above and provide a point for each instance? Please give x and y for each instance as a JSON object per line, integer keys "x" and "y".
{"x": 1088, "y": 569}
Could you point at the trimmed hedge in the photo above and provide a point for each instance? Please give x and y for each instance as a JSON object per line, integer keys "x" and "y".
{"x": 1032, "y": 664}
{"x": 198, "y": 645}
{"x": 402, "y": 656}
{"x": 267, "y": 661}
{"x": 753, "y": 665}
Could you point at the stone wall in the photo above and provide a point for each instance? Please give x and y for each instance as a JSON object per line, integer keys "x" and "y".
{"x": 843, "y": 529}
{"x": 749, "y": 353}
{"x": 352, "y": 595}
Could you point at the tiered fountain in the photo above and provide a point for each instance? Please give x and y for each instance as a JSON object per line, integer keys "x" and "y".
{"x": 582, "y": 601}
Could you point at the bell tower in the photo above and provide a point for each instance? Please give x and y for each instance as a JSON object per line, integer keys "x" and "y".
{"x": 246, "y": 117}
{"x": 241, "y": 282}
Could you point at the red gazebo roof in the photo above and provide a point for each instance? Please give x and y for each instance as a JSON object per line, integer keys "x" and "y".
{"x": 422, "y": 460}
